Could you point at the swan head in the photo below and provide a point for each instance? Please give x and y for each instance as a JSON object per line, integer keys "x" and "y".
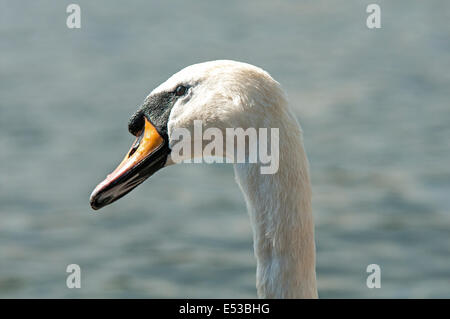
{"x": 221, "y": 94}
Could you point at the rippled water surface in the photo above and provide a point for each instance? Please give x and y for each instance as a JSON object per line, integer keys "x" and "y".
{"x": 374, "y": 106}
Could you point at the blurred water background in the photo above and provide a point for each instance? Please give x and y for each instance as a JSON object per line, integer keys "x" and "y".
{"x": 374, "y": 106}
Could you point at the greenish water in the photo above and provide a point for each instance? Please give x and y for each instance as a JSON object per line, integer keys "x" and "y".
{"x": 374, "y": 106}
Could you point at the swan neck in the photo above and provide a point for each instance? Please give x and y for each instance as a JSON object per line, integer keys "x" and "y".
{"x": 279, "y": 206}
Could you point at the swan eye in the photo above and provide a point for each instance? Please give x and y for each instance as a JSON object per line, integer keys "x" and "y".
{"x": 180, "y": 90}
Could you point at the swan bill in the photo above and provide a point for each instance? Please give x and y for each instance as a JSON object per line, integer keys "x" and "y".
{"x": 147, "y": 155}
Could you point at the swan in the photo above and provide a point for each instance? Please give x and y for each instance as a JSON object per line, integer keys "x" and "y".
{"x": 228, "y": 94}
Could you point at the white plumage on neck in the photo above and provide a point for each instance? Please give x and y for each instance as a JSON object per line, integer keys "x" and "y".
{"x": 279, "y": 206}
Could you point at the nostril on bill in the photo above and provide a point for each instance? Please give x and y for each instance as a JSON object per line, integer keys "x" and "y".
{"x": 136, "y": 143}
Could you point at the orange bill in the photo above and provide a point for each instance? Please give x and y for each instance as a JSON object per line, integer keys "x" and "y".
{"x": 147, "y": 155}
